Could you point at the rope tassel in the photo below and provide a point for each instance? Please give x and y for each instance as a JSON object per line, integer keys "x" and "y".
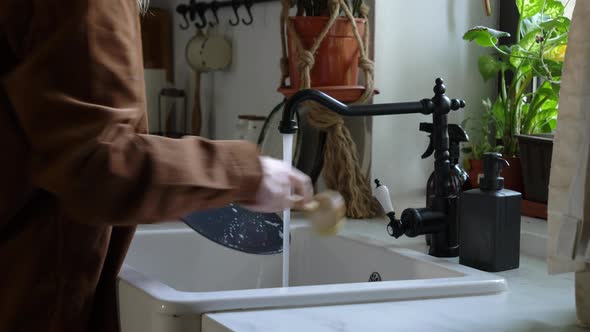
{"x": 342, "y": 170}
{"x": 341, "y": 163}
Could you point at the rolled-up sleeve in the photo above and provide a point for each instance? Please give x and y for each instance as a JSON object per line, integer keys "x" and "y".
{"x": 78, "y": 95}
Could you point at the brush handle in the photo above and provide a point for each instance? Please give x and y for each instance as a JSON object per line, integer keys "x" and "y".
{"x": 308, "y": 207}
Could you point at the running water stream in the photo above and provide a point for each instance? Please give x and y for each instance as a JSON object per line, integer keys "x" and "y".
{"x": 287, "y": 159}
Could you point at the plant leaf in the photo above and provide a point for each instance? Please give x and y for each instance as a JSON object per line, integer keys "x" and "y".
{"x": 528, "y": 8}
{"x": 546, "y": 128}
{"x": 546, "y": 90}
{"x": 488, "y": 67}
{"x": 550, "y": 104}
{"x": 556, "y": 88}
{"x": 547, "y": 120}
{"x": 553, "y": 8}
{"x": 481, "y": 133}
{"x": 499, "y": 116}
{"x": 540, "y": 119}
{"x": 556, "y": 53}
{"x": 526, "y": 52}
{"x": 554, "y": 67}
{"x": 559, "y": 23}
{"x": 506, "y": 48}
{"x": 484, "y": 36}
{"x": 553, "y": 124}
{"x": 532, "y": 23}
{"x": 545, "y": 21}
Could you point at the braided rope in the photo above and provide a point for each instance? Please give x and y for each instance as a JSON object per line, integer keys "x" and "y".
{"x": 341, "y": 163}
{"x": 284, "y": 60}
{"x": 342, "y": 170}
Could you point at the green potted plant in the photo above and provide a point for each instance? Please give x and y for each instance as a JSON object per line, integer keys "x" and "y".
{"x": 478, "y": 145}
{"x": 335, "y": 62}
{"x": 529, "y": 73}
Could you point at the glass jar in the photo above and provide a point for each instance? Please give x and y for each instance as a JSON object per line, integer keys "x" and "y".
{"x": 172, "y": 113}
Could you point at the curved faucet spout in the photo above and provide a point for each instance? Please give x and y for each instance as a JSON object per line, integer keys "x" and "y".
{"x": 288, "y": 124}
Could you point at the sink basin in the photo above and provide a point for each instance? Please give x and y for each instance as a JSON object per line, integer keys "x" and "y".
{"x": 172, "y": 276}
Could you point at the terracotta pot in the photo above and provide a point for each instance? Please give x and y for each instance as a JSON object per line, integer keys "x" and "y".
{"x": 512, "y": 175}
{"x": 336, "y": 60}
{"x": 474, "y": 171}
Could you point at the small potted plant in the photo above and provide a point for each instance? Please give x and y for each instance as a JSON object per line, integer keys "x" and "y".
{"x": 480, "y": 144}
{"x": 529, "y": 74}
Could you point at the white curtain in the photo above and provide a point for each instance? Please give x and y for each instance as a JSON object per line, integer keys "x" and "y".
{"x": 569, "y": 187}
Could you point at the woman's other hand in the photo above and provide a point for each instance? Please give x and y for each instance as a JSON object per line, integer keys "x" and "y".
{"x": 274, "y": 193}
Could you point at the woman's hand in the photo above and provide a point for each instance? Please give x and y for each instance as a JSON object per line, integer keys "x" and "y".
{"x": 278, "y": 179}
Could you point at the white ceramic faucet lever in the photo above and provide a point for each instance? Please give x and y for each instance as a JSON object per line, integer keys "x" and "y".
{"x": 382, "y": 195}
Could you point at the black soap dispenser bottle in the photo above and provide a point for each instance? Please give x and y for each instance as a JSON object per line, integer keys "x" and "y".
{"x": 490, "y": 221}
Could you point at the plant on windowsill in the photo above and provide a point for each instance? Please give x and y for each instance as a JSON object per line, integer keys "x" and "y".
{"x": 482, "y": 142}
{"x": 529, "y": 72}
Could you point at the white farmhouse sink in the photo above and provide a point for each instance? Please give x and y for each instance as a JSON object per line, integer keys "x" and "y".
{"x": 172, "y": 276}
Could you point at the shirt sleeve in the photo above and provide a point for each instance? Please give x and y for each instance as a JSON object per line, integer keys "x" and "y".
{"x": 78, "y": 93}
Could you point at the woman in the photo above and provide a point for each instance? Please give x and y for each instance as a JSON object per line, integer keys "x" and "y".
{"x": 79, "y": 173}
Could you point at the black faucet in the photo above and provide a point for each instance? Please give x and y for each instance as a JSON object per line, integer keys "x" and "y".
{"x": 459, "y": 177}
{"x": 441, "y": 219}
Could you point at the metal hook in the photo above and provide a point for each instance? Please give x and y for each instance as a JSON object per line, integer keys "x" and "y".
{"x": 214, "y": 7}
{"x": 192, "y": 5}
{"x": 248, "y": 5}
{"x": 201, "y": 8}
{"x": 235, "y": 5}
{"x": 183, "y": 10}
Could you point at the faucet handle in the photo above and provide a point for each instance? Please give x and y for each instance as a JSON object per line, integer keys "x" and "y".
{"x": 457, "y": 104}
{"x": 382, "y": 195}
{"x": 394, "y": 227}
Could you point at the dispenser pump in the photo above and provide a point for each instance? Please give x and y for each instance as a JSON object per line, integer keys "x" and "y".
{"x": 492, "y": 164}
{"x": 490, "y": 221}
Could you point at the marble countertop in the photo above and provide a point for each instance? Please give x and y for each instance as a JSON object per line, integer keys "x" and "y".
{"x": 535, "y": 301}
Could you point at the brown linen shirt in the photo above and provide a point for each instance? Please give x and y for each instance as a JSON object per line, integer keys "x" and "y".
{"x": 77, "y": 172}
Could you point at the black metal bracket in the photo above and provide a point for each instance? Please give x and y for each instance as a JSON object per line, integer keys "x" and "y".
{"x": 248, "y": 4}
{"x": 194, "y": 9}
{"x": 214, "y": 6}
{"x": 235, "y": 5}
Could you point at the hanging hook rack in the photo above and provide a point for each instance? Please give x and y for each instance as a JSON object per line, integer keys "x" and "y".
{"x": 201, "y": 10}
{"x": 195, "y": 12}
{"x": 214, "y": 8}
{"x": 235, "y": 5}
{"x": 248, "y": 5}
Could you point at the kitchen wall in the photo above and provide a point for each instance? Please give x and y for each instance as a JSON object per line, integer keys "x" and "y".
{"x": 249, "y": 85}
{"x": 415, "y": 42}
